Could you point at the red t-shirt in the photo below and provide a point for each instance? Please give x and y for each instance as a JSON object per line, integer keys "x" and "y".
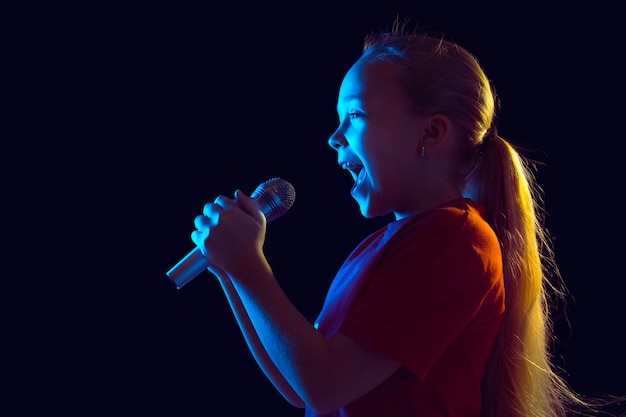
{"x": 427, "y": 291}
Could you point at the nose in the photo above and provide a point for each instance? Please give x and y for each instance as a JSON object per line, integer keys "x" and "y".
{"x": 337, "y": 140}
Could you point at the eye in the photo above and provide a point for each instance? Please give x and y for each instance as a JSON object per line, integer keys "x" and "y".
{"x": 354, "y": 115}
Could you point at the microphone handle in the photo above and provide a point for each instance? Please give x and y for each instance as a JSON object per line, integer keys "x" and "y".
{"x": 188, "y": 268}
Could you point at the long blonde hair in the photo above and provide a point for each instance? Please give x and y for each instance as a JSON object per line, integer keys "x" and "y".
{"x": 520, "y": 379}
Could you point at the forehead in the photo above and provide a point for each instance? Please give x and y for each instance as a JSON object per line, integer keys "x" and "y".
{"x": 369, "y": 80}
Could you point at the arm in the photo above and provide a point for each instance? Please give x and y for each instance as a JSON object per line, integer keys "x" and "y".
{"x": 253, "y": 342}
{"x": 325, "y": 374}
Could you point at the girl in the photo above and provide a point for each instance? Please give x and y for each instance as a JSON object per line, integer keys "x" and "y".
{"x": 442, "y": 312}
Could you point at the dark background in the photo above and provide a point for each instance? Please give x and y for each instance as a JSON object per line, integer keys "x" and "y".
{"x": 130, "y": 118}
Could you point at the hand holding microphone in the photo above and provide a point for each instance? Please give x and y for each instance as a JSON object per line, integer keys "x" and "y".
{"x": 274, "y": 197}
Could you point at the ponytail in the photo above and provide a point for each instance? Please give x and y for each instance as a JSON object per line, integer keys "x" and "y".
{"x": 520, "y": 380}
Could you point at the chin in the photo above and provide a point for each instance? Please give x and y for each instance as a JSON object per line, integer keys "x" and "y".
{"x": 368, "y": 211}
{"x": 364, "y": 212}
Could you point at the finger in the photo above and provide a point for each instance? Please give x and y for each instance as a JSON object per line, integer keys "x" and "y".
{"x": 201, "y": 222}
{"x": 197, "y": 237}
{"x": 250, "y": 206}
{"x": 224, "y": 202}
{"x": 211, "y": 210}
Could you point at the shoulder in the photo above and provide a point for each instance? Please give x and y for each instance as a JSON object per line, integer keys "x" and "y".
{"x": 455, "y": 229}
{"x": 457, "y": 216}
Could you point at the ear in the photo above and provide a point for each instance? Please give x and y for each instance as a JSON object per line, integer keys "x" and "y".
{"x": 437, "y": 128}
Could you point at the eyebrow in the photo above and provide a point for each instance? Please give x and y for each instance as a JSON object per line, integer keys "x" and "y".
{"x": 351, "y": 97}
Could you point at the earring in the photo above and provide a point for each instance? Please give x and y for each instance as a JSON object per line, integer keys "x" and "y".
{"x": 422, "y": 153}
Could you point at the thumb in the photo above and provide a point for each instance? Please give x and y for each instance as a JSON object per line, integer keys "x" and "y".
{"x": 250, "y": 206}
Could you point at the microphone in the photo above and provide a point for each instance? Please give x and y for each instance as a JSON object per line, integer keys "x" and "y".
{"x": 275, "y": 196}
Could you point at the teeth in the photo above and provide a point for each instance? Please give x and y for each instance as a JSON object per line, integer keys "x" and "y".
{"x": 349, "y": 165}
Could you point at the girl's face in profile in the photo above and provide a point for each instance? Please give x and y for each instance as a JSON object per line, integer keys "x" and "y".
{"x": 378, "y": 139}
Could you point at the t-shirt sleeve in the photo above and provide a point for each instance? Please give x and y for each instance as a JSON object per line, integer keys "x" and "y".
{"x": 427, "y": 287}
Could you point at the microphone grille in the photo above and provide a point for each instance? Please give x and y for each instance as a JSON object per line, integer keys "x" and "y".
{"x": 275, "y": 196}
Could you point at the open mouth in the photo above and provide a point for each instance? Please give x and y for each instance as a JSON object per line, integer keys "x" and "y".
{"x": 354, "y": 168}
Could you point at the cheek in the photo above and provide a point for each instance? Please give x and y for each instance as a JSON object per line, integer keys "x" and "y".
{"x": 381, "y": 172}
{"x": 386, "y": 152}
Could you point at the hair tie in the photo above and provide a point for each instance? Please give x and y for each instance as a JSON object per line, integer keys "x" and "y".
{"x": 490, "y": 135}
